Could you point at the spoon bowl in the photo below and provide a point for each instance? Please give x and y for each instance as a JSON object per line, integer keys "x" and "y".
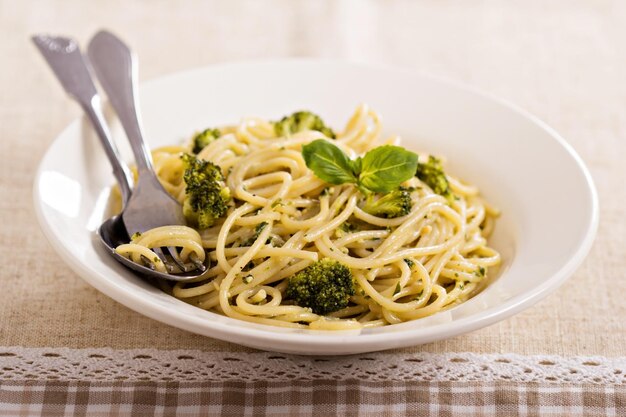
{"x": 112, "y": 233}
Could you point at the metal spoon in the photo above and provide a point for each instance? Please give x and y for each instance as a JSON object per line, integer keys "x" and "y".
{"x": 148, "y": 205}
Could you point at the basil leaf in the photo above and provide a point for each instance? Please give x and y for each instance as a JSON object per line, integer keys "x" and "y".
{"x": 328, "y": 162}
{"x": 357, "y": 165}
{"x": 386, "y": 167}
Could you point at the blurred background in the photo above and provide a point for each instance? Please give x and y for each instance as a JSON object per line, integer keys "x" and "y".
{"x": 562, "y": 60}
{"x": 562, "y": 51}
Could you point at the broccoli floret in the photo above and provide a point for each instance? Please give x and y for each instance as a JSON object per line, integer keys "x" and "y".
{"x": 324, "y": 286}
{"x": 394, "y": 204}
{"x": 202, "y": 139}
{"x": 257, "y": 231}
{"x": 345, "y": 228}
{"x": 300, "y": 121}
{"x": 206, "y": 195}
{"x": 431, "y": 173}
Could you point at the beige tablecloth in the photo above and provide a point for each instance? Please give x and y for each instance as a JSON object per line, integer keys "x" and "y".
{"x": 564, "y": 61}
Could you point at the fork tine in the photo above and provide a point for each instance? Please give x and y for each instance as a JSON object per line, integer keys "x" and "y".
{"x": 170, "y": 268}
{"x": 174, "y": 254}
{"x": 194, "y": 259}
{"x": 148, "y": 262}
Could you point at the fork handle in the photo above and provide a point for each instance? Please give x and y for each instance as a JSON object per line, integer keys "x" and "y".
{"x": 68, "y": 64}
{"x": 116, "y": 68}
{"x": 93, "y": 110}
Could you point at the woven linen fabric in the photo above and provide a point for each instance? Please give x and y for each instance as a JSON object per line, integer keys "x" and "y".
{"x": 308, "y": 398}
{"x": 104, "y": 382}
{"x": 563, "y": 61}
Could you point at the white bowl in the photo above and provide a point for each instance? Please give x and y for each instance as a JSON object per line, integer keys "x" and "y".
{"x": 547, "y": 197}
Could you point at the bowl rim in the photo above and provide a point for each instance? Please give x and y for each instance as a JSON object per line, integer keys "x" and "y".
{"x": 337, "y": 341}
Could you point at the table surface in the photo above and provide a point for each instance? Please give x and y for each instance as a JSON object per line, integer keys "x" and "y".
{"x": 564, "y": 61}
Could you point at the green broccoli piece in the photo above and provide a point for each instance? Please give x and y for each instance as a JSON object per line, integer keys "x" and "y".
{"x": 300, "y": 121}
{"x": 431, "y": 173}
{"x": 202, "y": 139}
{"x": 394, "y": 204}
{"x": 257, "y": 231}
{"x": 345, "y": 228}
{"x": 348, "y": 227}
{"x": 324, "y": 286}
{"x": 206, "y": 195}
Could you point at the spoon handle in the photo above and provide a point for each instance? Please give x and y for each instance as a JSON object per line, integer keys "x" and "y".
{"x": 115, "y": 66}
{"x": 64, "y": 57}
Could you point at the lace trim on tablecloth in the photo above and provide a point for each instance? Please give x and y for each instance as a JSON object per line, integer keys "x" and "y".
{"x": 18, "y": 363}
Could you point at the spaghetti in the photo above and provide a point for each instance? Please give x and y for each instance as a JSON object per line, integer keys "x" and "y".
{"x": 284, "y": 218}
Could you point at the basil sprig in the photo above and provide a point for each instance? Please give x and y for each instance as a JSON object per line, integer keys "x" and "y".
{"x": 380, "y": 170}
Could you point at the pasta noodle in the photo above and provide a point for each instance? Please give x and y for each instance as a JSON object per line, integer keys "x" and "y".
{"x": 404, "y": 268}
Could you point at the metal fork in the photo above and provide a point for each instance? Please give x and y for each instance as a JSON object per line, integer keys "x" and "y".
{"x": 148, "y": 205}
